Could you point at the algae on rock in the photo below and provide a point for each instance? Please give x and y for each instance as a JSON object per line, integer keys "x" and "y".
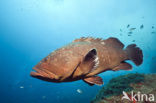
{"x": 112, "y": 92}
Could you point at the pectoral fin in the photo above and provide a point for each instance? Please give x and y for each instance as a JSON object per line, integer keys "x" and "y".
{"x": 123, "y": 66}
{"x": 89, "y": 63}
{"x": 94, "y": 80}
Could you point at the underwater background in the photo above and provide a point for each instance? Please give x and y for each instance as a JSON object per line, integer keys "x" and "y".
{"x": 31, "y": 29}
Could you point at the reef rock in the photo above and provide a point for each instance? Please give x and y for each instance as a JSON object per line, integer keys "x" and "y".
{"x": 142, "y": 86}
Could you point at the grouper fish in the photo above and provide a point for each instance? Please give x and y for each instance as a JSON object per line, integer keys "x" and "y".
{"x": 84, "y": 58}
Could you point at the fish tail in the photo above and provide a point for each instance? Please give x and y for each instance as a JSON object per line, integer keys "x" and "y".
{"x": 135, "y": 54}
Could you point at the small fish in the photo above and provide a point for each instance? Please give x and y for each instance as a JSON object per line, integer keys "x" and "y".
{"x": 128, "y": 26}
{"x": 152, "y": 27}
{"x": 133, "y": 41}
{"x": 153, "y": 32}
{"x": 79, "y": 91}
{"x": 120, "y": 30}
{"x": 130, "y": 32}
{"x": 84, "y": 58}
{"x": 142, "y": 26}
{"x": 131, "y": 29}
{"x": 21, "y": 87}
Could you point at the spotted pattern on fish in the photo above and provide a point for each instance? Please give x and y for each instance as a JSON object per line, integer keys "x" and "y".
{"x": 86, "y": 57}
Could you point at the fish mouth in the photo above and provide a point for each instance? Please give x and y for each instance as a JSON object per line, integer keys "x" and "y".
{"x": 42, "y": 74}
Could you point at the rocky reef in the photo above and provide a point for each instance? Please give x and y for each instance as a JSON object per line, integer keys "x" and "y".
{"x": 138, "y": 83}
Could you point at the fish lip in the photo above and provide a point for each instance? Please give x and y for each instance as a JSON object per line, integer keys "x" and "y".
{"x": 35, "y": 69}
{"x": 34, "y": 74}
{"x": 38, "y": 72}
{"x": 42, "y": 73}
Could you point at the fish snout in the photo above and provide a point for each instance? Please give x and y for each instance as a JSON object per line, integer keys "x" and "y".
{"x": 43, "y": 75}
{"x": 38, "y": 73}
{"x": 34, "y": 74}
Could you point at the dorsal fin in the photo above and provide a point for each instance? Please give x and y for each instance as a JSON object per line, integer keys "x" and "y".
{"x": 110, "y": 41}
{"x": 114, "y": 42}
{"x": 88, "y": 39}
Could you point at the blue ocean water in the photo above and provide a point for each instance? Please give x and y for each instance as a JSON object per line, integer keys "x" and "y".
{"x": 31, "y": 29}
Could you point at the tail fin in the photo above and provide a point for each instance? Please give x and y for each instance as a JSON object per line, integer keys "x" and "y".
{"x": 134, "y": 54}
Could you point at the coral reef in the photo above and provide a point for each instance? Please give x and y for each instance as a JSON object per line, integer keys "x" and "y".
{"x": 112, "y": 92}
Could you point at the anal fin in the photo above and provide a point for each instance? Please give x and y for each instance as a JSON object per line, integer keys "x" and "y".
{"x": 123, "y": 66}
{"x": 93, "y": 80}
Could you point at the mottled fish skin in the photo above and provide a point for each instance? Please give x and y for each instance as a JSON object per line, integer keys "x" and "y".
{"x": 67, "y": 63}
{"x": 109, "y": 55}
{"x": 63, "y": 61}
